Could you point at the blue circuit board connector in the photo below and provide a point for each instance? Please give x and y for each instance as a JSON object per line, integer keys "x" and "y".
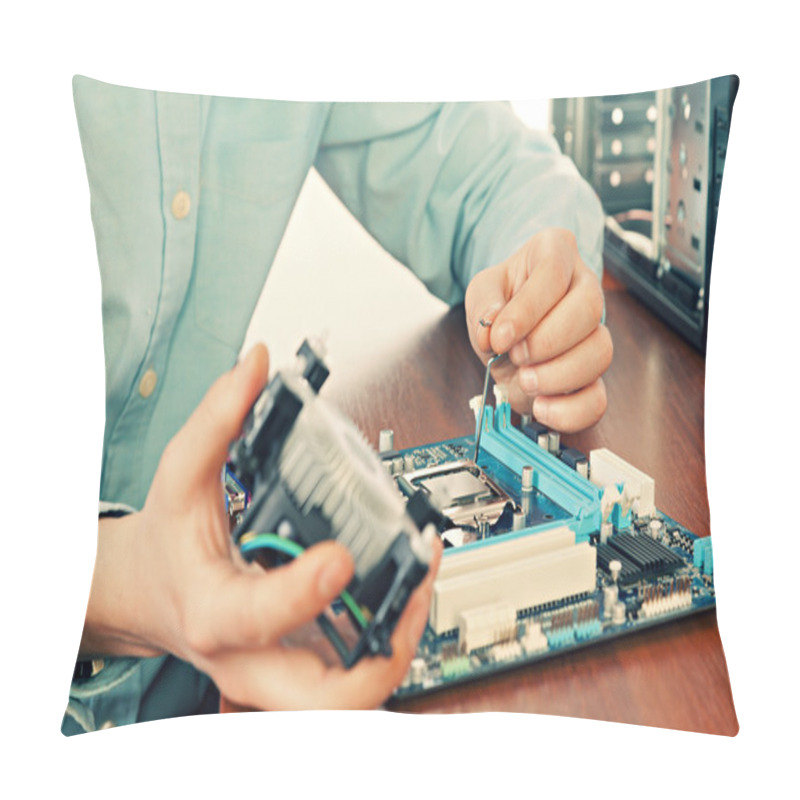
{"x": 703, "y": 556}
{"x": 551, "y": 476}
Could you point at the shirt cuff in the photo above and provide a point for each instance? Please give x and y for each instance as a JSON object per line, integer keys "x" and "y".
{"x": 108, "y": 509}
{"x": 95, "y": 676}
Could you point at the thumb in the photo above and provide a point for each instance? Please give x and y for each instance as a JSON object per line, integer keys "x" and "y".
{"x": 254, "y": 610}
{"x": 485, "y": 298}
{"x": 204, "y": 440}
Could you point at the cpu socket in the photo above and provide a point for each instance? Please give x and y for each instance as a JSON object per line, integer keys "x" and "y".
{"x": 465, "y": 494}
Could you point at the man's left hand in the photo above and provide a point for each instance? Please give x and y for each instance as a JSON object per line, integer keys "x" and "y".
{"x": 544, "y": 307}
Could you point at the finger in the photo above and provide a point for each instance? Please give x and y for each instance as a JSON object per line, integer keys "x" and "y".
{"x": 486, "y": 295}
{"x": 541, "y": 274}
{"x": 276, "y": 679}
{"x": 573, "y": 370}
{"x": 289, "y": 679}
{"x": 572, "y": 412}
{"x": 504, "y": 372}
{"x": 372, "y": 680}
{"x": 569, "y": 322}
{"x": 247, "y": 610}
{"x": 201, "y": 446}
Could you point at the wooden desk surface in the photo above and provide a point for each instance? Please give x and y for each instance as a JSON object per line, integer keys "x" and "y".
{"x": 673, "y": 676}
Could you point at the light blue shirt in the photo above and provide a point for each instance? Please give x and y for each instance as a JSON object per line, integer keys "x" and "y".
{"x": 190, "y": 196}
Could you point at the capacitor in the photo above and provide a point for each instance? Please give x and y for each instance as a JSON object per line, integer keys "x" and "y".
{"x": 614, "y": 567}
{"x": 518, "y": 521}
{"x": 617, "y": 614}
{"x": 417, "y": 671}
{"x": 386, "y": 440}
{"x": 655, "y": 528}
{"x": 553, "y": 441}
{"x": 408, "y": 462}
{"x": 610, "y": 597}
{"x": 527, "y": 478}
{"x": 543, "y": 440}
{"x": 397, "y": 466}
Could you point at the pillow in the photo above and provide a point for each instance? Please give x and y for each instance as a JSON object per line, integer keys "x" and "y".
{"x": 196, "y": 200}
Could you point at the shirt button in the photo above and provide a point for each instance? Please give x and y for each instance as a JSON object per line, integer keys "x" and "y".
{"x": 148, "y": 383}
{"x": 181, "y": 204}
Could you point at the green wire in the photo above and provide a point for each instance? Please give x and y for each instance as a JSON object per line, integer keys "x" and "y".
{"x": 272, "y": 541}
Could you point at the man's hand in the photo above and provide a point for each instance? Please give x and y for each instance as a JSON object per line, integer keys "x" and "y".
{"x": 543, "y": 306}
{"x": 169, "y": 579}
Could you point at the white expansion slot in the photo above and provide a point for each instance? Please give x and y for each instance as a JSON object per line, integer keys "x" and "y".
{"x": 608, "y": 469}
{"x": 521, "y": 572}
{"x": 458, "y": 562}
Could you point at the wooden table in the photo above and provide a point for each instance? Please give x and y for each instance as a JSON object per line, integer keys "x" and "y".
{"x": 673, "y": 676}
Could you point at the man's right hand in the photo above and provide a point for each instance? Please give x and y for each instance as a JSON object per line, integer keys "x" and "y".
{"x": 169, "y": 579}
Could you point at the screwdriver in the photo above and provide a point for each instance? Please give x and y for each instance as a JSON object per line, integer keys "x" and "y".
{"x": 493, "y": 360}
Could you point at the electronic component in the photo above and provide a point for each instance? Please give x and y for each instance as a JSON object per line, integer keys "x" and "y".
{"x": 640, "y": 556}
{"x": 505, "y": 651}
{"x": 539, "y": 559}
{"x": 489, "y": 624}
{"x": 612, "y": 140}
{"x": 618, "y": 614}
{"x": 455, "y": 667}
{"x": 565, "y": 561}
{"x": 661, "y": 598}
{"x": 610, "y": 597}
{"x": 606, "y": 469}
{"x": 525, "y": 572}
{"x": 386, "y": 441}
{"x": 312, "y": 477}
{"x": 236, "y": 496}
{"x": 417, "y": 671}
{"x": 573, "y": 625}
{"x": 703, "y": 557}
{"x": 533, "y": 640}
{"x": 656, "y": 160}
{"x": 461, "y": 489}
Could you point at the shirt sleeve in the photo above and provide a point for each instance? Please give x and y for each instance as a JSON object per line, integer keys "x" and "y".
{"x": 108, "y": 674}
{"x": 449, "y": 189}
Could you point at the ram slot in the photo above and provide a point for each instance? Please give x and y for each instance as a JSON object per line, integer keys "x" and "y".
{"x": 608, "y": 469}
{"x": 522, "y": 582}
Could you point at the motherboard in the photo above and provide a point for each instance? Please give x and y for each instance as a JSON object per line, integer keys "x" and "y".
{"x": 546, "y": 550}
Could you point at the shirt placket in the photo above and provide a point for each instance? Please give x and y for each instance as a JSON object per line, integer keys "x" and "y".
{"x": 179, "y": 132}
{"x": 179, "y": 135}
{"x": 179, "y": 149}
